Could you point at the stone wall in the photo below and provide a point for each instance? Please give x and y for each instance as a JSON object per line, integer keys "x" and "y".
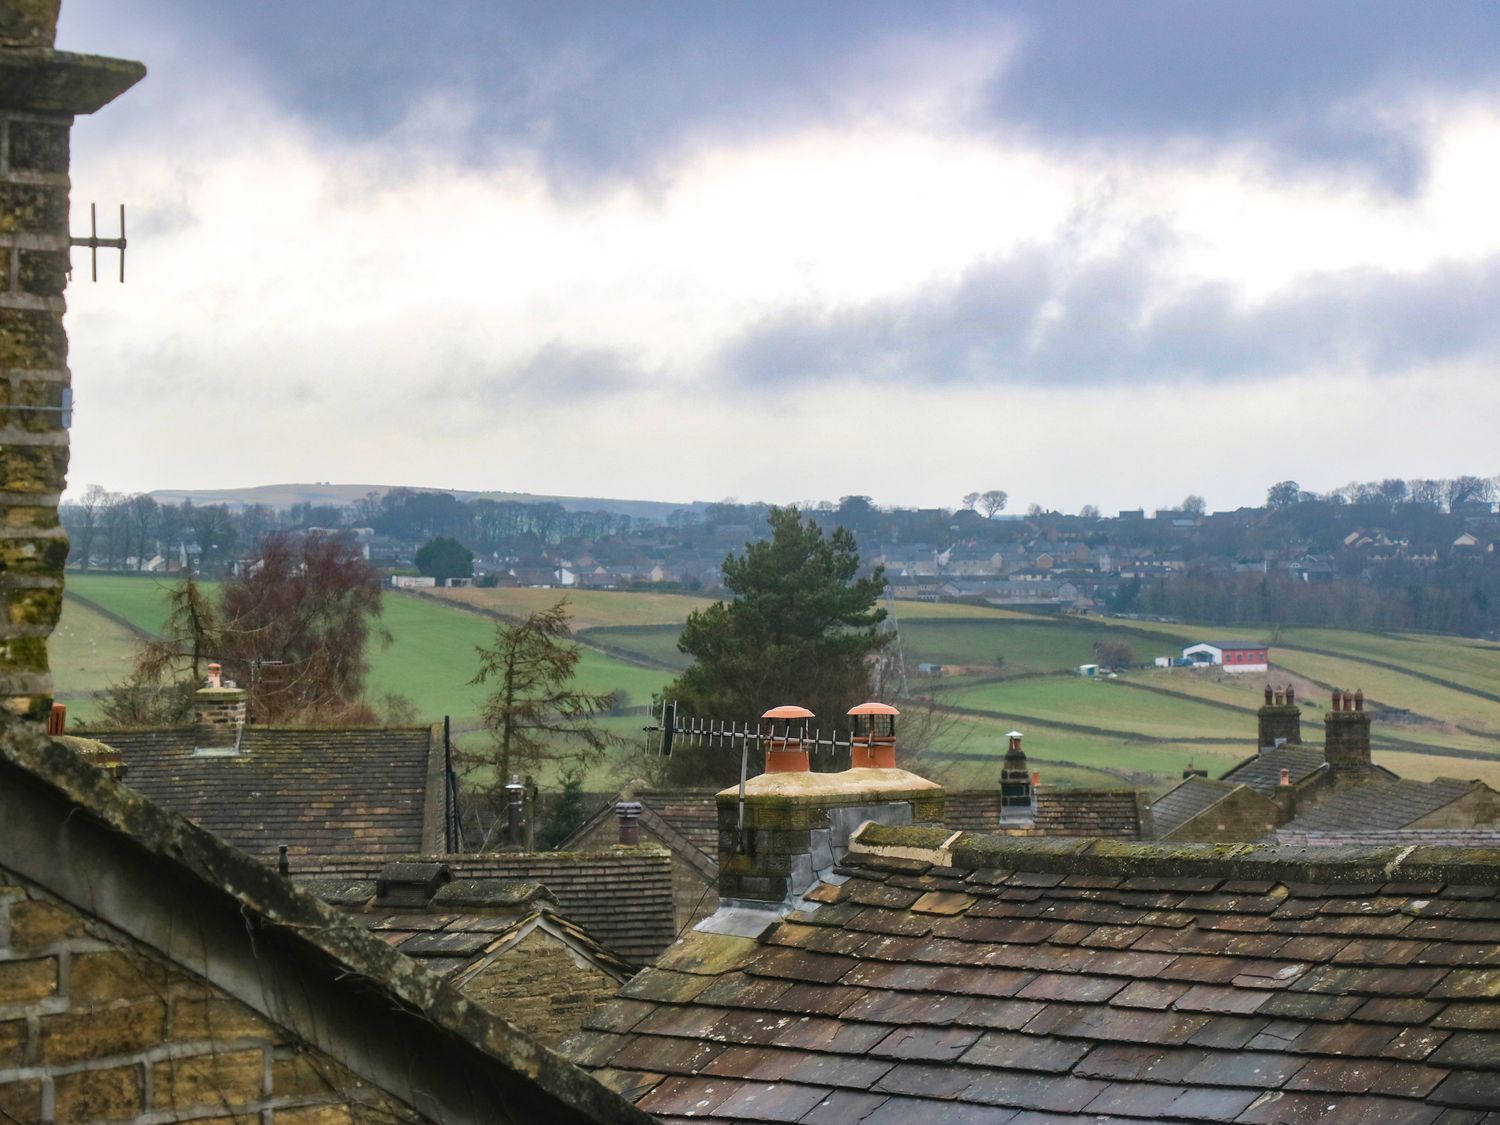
{"x": 541, "y": 987}
{"x": 1480, "y": 807}
{"x": 1242, "y": 815}
{"x": 95, "y": 1027}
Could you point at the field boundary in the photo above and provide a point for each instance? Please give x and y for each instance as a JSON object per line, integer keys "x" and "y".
{"x": 109, "y": 614}
{"x": 579, "y": 638}
{"x": 1462, "y": 689}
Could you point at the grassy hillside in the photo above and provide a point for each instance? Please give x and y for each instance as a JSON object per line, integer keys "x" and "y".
{"x": 1142, "y": 728}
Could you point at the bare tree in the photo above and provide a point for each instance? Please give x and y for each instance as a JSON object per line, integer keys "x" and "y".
{"x": 87, "y": 514}
{"x": 993, "y": 502}
{"x": 970, "y": 499}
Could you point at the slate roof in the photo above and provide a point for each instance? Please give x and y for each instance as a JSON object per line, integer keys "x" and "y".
{"x": 623, "y": 896}
{"x": 1180, "y": 804}
{"x": 1005, "y": 980}
{"x": 468, "y": 923}
{"x": 1378, "y": 803}
{"x": 1263, "y": 772}
{"x": 362, "y": 791}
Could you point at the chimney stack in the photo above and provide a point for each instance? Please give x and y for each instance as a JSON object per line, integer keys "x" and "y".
{"x": 1346, "y": 731}
{"x": 873, "y": 745}
{"x": 218, "y": 712}
{"x": 41, "y": 92}
{"x": 1017, "y": 794}
{"x": 794, "y": 825}
{"x": 1279, "y": 720}
{"x": 629, "y": 814}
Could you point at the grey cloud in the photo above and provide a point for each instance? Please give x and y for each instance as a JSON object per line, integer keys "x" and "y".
{"x": 1031, "y": 319}
{"x": 604, "y": 89}
{"x": 556, "y": 373}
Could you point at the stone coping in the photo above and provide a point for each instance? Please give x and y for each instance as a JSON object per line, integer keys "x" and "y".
{"x": 44, "y": 81}
{"x": 850, "y": 787}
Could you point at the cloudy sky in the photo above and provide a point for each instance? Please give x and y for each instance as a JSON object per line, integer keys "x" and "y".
{"x": 1104, "y": 253}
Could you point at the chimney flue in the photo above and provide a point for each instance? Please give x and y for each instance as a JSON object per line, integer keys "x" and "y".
{"x": 629, "y": 814}
{"x": 514, "y": 794}
{"x": 873, "y": 745}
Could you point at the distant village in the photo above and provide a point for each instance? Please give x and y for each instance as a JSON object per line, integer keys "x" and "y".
{"x": 1419, "y": 554}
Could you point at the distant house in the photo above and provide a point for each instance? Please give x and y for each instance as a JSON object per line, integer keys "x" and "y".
{"x": 1232, "y": 656}
{"x": 412, "y": 582}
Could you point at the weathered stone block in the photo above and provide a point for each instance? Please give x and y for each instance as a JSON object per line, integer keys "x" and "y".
{"x": 97, "y": 978}
{"x": 210, "y": 1017}
{"x": 33, "y": 208}
{"x": 32, "y": 979}
{"x": 36, "y": 925}
{"x": 4, "y": 269}
{"x": 24, "y": 517}
{"x": 33, "y": 468}
{"x": 91, "y": 1095}
{"x": 43, "y": 273}
{"x": 33, "y": 557}
{"x": 98, "y": 1034}
{"x": 22, "y": 1100}
{"x": 29, "y": 23}
{"x": 38, "y": 146}
{"x": 31, "y": 339}
{"x": 34, "y": 607}
{"x": 12, "y": 1043}
{"x": 229, "y": 1078}
{"x": 302, "y": 1075}
{"x": 317, "y": 1115}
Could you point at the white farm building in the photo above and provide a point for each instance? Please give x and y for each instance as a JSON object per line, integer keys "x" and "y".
{"x": 1232, "y": 656}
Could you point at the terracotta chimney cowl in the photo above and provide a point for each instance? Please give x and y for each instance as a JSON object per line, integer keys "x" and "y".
{"x": 785, "y": 752}
{"x": 874, "y": 746}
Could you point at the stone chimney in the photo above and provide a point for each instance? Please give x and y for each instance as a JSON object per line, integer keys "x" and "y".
{"x": 1017, "y": 794}
{"x": 1346, "y": 731}
{"x": 795, "y": 824}
{"x": 1280, "y": 720}
{"x": 41, "y": 90}
{"x": 218, "y": 712}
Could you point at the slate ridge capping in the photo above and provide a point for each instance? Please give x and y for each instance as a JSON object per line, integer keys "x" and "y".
{"x": 1288, "y": 863}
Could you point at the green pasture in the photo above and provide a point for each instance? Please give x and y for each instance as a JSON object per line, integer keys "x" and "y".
{"x": 589, "y": 608}
{"x": 1448, "y": 704}
{"x": 140, "y": 600}
{"x": 86, "y": 651}
{"x": 1106, "y": 705}
{"x": 1460, "y": 660}
{"x": 1028, "y": 644}
{"x": 650, "y": 642}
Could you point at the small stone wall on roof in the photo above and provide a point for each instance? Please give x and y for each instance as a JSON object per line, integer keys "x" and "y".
{"x": 1087, "y": 812}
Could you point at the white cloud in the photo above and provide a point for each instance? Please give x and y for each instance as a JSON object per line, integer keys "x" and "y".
{"x": 300, "y": 308}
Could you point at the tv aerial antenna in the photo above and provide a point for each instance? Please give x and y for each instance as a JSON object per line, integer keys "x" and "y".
{"x": 95, "y": 243}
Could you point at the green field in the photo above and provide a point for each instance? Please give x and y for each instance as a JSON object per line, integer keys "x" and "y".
{"x": 1142, "y": 728}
